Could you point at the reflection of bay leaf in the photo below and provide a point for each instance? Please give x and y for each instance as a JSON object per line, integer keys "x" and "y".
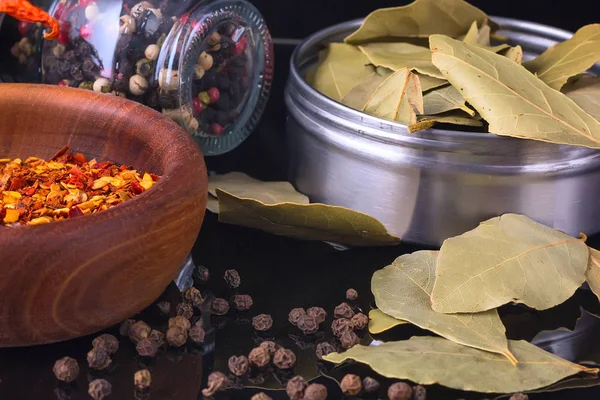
{"x": 340, "y": 69}
{"x": 400, "y": 55}
{"x": 358, "y": 97}
{"x": 592, "y": 275}
{"x": 241, "y": 185}
{"x": 510, "y": 99}
{"x": 585, "y": 91}
{"x": 508, "y": 259}
{"x": 444, "y": 99}
{"x": 452, "y": 117}
{"x": 433, "y": 360}
{"x": 380, "y": 322}
{"x": 513, "y": 53}
{"x": 429, "y": 82}
{"x": 571, "y": 57}
{"x": 305, "y": 221}
{"x": 402, "y": 291}
{"x": 418, "y": 19}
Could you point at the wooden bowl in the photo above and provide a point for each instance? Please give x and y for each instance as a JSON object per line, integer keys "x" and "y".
{"x": 75, "y": 277}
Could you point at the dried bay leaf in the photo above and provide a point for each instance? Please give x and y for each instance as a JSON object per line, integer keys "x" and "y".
{"x": 513, "y": 53}
{"x": 305, "y": 221}
{"x": 341, "y": 67}
{"x": 566, "y": 59}
{"x": 429, "y": 82}
{"x": 444, "y": 99}
{"x": 380, "y": 322}
{"x": 476, "y": 36}
{"x": 401, "y": 55}
{"x": 592, "y": 275}
{"x": 508, "y": 259}
{"x": 585, "y": 92}
{"x": 434, "y": 360}
{"x": 418, "y": 19}
{"x": 451, "y": 117}
{"x": 358, "y": 97}
{"x": 512, "y": 100}
{"x": 402, "y": 291}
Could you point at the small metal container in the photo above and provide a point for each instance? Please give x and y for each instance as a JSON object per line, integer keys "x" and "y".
{"x": 434, "y": 184}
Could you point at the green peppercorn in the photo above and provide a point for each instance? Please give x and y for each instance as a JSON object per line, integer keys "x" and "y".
{"x": 88, "y": 85}
{"x": 144, "y": 67}
{"x": 204, "y": 97}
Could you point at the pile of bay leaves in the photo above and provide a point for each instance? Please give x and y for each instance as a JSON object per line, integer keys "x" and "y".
{"x": 432, "y": 61}
{"x": 455, "y": 293}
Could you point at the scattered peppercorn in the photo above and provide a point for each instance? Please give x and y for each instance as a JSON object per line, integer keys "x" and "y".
{"x": 343, "y": 311}
{"x": 98, "y": 358}
{"x": 164, "y": 307}
{"x": 216, "y": 381}
{"x": 295, "y": 388}
{"x": 193, "y": 296}
{"x": 202, "y": 273}
{"x": 351, "y": 384}
{"x": 99, "y": 389}
{"x": 140, "y": 330}
{"x": 351, "y": 294}
{"x": 359, "y": 321}
{"x": 197, "y": 334}
{"x": 260, "y": 396}
{"x": 126, "y": 327}
{"x": 262, "y": 322}
{"x": 142, "y": 379}
{"x": 295, "y": 315}
{"x": 341, "y": 326}
{"x": 271, "y": 347}
{"x": 399, "y": 391}
{"x": 238, "y": 365}
{"x": 315, "y": 391}
{"x": 109, "y": 342}
{"x": 147, "y": 348}
{"x": 66, "y": 369}
{"x": 519, "y": 396}
{"x": 319, "y": 313}
{"x": 157, "y": 337}
{"x": 180, "y": 322}
{"x": 242, "y": 302}
{"x": 259, "y": 356}
{"x": 308, "y": 324}
{"x": 420, "y": 393}
{"x": 284, "y": 358}
{"x": 370, "y": 384}
{"x": 176, "y": 336}
{"x": 349, "y": 339}
{"x": 219, "y": 306}
{"x": 323, "y": 349}
{"x": 232, "y": 277}
{"x": 185, "y": 310}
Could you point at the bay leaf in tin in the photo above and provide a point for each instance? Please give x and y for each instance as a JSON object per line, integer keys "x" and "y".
{"x": 402, "y": 291}
{"x": 358, "y": 97}
{"x": 592, "y": 275}
{"x": 444, "y": 99}
{"x": 585, "y": 92}
{"x": 382, "y": 71}
{"x": 507, "y": 259}
{"x": 380, "y": 322}
{"x": 451, "y": 117}
{"x": 434, "y": 360}
{"x": 420, "y": 18}
{"x": 429, "y": 82}
{"x": 476, "y": 36}
{"x": 341, "y": 67}
{"x": 305, "y": 221}
{"x": 396, "y": 56}
{"x": 515, "y": 54}
{"x": 512, "y": 100}
{"x": 568, "y": 58}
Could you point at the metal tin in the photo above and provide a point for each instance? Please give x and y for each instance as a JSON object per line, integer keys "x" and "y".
{"x": 431, "y": 185}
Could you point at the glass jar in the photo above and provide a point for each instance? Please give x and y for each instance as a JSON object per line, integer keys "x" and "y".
{"x": 207, "y": 64}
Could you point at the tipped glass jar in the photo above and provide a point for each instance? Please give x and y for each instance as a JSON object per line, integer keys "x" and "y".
{"x": 207, "y": 64}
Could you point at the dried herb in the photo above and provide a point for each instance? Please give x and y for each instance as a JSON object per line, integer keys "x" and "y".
{"x": 444, "y": 99}
{"x": 295, "y": 388}
{"x": 508, "y": 259}
{"x": 399, "y": 55}
{"x": 262, "y": 322}
{"x": 238, "y": 365}
{"x": 259, "y": 356}
{"x": 381, "y": 322}
{"x": 284, "y": 358}
{"x": 66, "y": 369}
{"x": 98, "y": 358}
{"x": 324, "y": 348}
{"x": 295, "y": 315}
{"x": 343, "y": 310}
{"x": 99, "y": 389}
{"x": 217, "y": 381}
{"x": 436, "y": 356}
{"x": 351, "y": 384}
{"x": 400, "y": 391}
{"x": 142, "y": 379}
{"x": 592, "y": 275}
{"x": 318, "y": 313}
{"x": 450, "y": 117}
{"x": 585, "y": 92}
{"x": 315, "y": 391}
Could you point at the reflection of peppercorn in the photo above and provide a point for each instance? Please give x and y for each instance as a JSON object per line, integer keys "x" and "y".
{"x": 176, "y": 336}
{"x": 216, "y": 381}
{"x": 157, "y": 337}
{"x": 99, "y": 389}
{"x": 238, "y": 365}
{"x": 142, "y": 379}
{"x": 295, "y": 388}
{"x": 351, "y": 385}
{"x": 359, "y": 321}
{"x": 232, "y": 277}
{"x": 126, "y": 327}
{"x": 343, "y": 311}
{"x": 284, "y": 359}
{"x": 202, "y": 273}
{"x": 308, "y": 324}
{"x": 323, "y": 349}
{"x": 185, "y": 310}
{"x": 164, "y": 307}
{"x": 400, "y": 391}
{"x": 319, "y": 313}
{"x": 262, "y": 322}
{"x": 315, "y": 391}
{"x": 271, "y": 347}
{"x": 242, "y": 302}
{"x": 349, "y": 339}
{"x": 371, "y": 385}
{"x": 98, "y": 358}
{"x": 180, "y": 322}
{"x": 420, "y": 393}
{"x": 197, "y": 334}
{"x": 66, "y": 369}
{"x": 138, "y": 331}
{"x": 351, "y": 294}
{"x": 147, "y": 348}
{"x": 259, "y": 356}
{"x": 295, "y": 315}
{"x": 260, "y": 396}
{"x": 193, "y": 296}
{"x": 341, "y": 326}
{"x": 109, "y": 342}
{"x": 219, "y": 306}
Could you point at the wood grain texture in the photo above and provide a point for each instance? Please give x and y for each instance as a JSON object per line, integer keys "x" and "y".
{"x": 75, "y": 277}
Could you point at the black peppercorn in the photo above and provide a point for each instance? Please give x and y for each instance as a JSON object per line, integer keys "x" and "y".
{"x": 84, "y": 48}
{"x": 351, "y": 294}
{"x": 308, "y": 324}
{"x": 420, "y": 393}
{"x": 260, "y": 396}
{"x": 519, "y": 396}
{"x": 176, "y": 336}
{"x": 295, "y": 388}
{"x": 126, "y": 327}
{"x": 343, "y": 311}
{"x": 98, "y": 358}
{"x": 70, "y": 56}
{"x": 315, "y": 391}
{"x": 216, "y": 381}
{"x": 63, "y": 392}
{"x": 180, "y": 322}
{"x": 319, "y": 313}
{"x": 138, "y": 331}
{"x": 284, "y": 359}
{"x": 109, "y": 342}
{"x": 142, "y": 379}
{"x": 262, "y": 322}
{"x": 238, "y": 365}
{"x": 147, "y": 348}
{"x": 242, "y": 302}
{"x": 164, "y": 307}
{"x": 351, "y": 385}
{"x": 76, "y": 72}
{"x": 219, "y": 306}
{"x": 323, "y": 349}
{"x": 341, "y": 326}
{"x": 202, "y": 273}
{"x": 271, "y": 347}
{"x": 193, "y": 296}
{"x": 157, "y": 337}
{"x": 232, "y": 277}
{"x": 349, "y": 339}
{"x": 370, "y": 385}
{"x": 400, "y": 391}
{"x": 66, "y": 369}
{"x": 99, "y": 389}
{"x": 259, "y": 356}
{"x": 295, "y": 315}
{"x": 197, "y": 334}
{"x": 359, "y": 321}
{"x": 185, "y": 310}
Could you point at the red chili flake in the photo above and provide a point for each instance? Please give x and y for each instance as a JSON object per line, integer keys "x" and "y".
{"x": 16, "y": 184}
{"x": 80, "y": 158}
{"x": 2, "y": 213}
{"x": 75, "y": 212}
{"x": 136, "y": 187}
{"x": 30, "y": 191}
{"x": 154, "y": 177}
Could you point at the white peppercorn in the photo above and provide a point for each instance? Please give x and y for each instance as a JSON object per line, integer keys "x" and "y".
{"x": 138, "y": 85}
{"x": 139, "y": 8}
{"x": 92, "y": 11}
{"x": 168, "y": 79}
{"x": 198, "y": 72}
{"x": 151, "y": 52}
{"x": 101, "y": 85}
{"x": 127, "y": 24}
{"x": 205, "y": 61}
